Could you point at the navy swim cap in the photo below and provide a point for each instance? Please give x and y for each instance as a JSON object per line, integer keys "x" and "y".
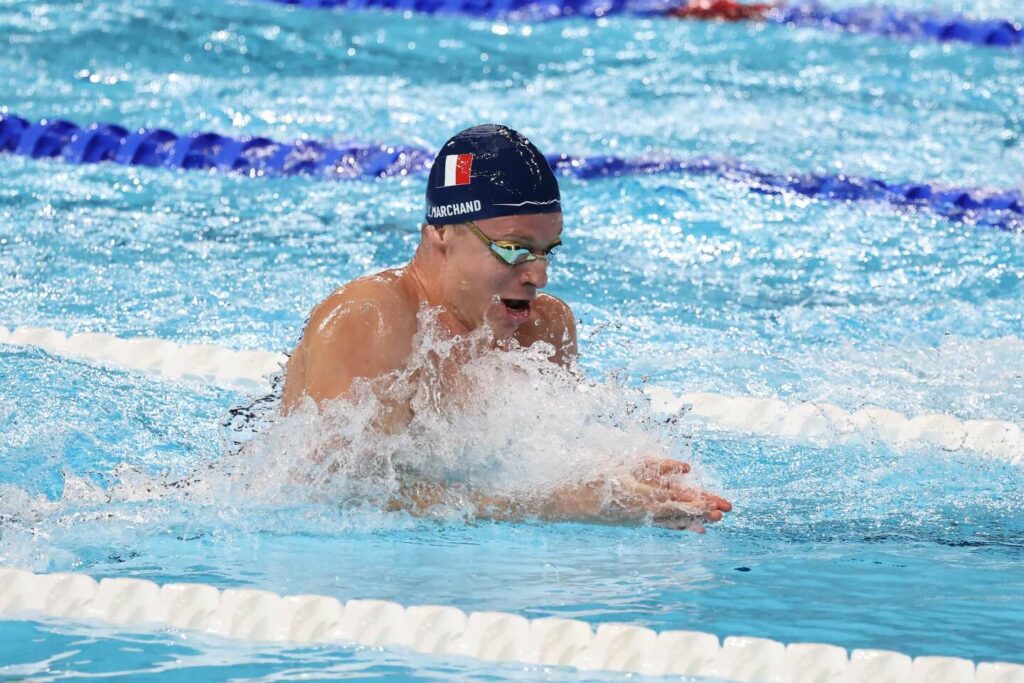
{"x": 488, "y": 171}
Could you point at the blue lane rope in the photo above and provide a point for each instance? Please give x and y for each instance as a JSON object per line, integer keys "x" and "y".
{"x": 868, "y": 19}
{"x": 904, "y": 23}
{"x": 259, "y": 156}
{"x": 157, "y": 147}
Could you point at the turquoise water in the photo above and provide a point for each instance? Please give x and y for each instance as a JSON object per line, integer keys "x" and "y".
{"x": 693, "y": 283}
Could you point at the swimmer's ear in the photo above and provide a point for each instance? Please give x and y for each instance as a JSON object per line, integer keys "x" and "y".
{"x": 433, "y": 235}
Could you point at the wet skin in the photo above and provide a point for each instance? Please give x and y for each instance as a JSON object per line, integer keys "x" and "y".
{"x": 365, "y": 329}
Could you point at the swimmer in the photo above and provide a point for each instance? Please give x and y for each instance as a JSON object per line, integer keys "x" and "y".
{"x": 723, "y": 10}
{"x": 493, "y": 218}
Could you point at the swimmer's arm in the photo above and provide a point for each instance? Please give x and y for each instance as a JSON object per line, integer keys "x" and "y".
{"x": 420, "y": 498}
{"x": 650, "y": 492}
{"x": 358, "y": 332}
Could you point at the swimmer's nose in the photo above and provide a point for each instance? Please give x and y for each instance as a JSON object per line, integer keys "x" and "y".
{"x": 534, "y": 273}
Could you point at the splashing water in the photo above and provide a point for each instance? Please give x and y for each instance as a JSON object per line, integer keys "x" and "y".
{"x": 478, "y": 418}
{"x": 473, "y": 417}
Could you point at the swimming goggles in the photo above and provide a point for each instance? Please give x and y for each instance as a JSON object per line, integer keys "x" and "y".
{"x": 511, "y": 253}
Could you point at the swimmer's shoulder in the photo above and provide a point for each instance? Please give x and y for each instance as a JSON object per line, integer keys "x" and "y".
{"x": 552, "y": 321}
{"x": 552, "y": 308}
{"x": 361, "y": 330}
{"x": 377, "y": 304}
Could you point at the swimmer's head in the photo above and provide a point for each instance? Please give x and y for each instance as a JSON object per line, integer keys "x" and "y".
{"x": 494, "y": 215}
{"x": 489, "y": 171}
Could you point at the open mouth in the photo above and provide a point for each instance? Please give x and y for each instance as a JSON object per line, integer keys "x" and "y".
{"x": 517, "y": 304}
{"x": 518, "y": 309}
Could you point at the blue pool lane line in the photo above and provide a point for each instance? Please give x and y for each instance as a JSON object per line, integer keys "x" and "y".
{"x": 905, "y": 24}
{"x": 259, "y": 156}
{"x": 867, "y": 19}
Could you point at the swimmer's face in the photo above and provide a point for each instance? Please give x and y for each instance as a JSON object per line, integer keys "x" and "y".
{"x": 479, "y": 287}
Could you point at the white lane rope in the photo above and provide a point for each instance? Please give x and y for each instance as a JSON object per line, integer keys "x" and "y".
{"x": 245, "y": 370}
{"x": 824, "y": 424}
{"x": 820, "y": 424}
{"x": 262, "y": 616}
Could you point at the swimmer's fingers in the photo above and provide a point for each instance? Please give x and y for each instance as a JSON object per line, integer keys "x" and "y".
{"x": 720, "y": 503}
{"x": 693, "y": 501}
{"x": 635, "y": 500}
{"x": 688, "y": 494}
{"x": 656, "y": 471}
{"x": 668, "y": 467}
{"x": 674, "y": 507}
{"x": 640, "y": 497}
{"x": 670, "y": 489}
{"x": 707, "y": 508}
{"x": 715, "y": 502}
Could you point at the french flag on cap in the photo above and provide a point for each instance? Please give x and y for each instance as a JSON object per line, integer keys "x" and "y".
{"x": 456, "y": 169}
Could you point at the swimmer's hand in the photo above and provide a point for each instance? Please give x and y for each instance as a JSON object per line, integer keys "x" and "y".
{"x": 652, "y": 491}
{"x": 649, "y": 492}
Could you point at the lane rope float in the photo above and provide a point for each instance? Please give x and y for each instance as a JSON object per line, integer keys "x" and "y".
{"x": 263, "y": 616}
{"x": 66, "y": 141}
{"x": 816, "y": 423}
{"x": 873, "y": 19}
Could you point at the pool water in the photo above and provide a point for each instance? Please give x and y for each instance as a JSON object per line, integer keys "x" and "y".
{"x": 692, "y": 283}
